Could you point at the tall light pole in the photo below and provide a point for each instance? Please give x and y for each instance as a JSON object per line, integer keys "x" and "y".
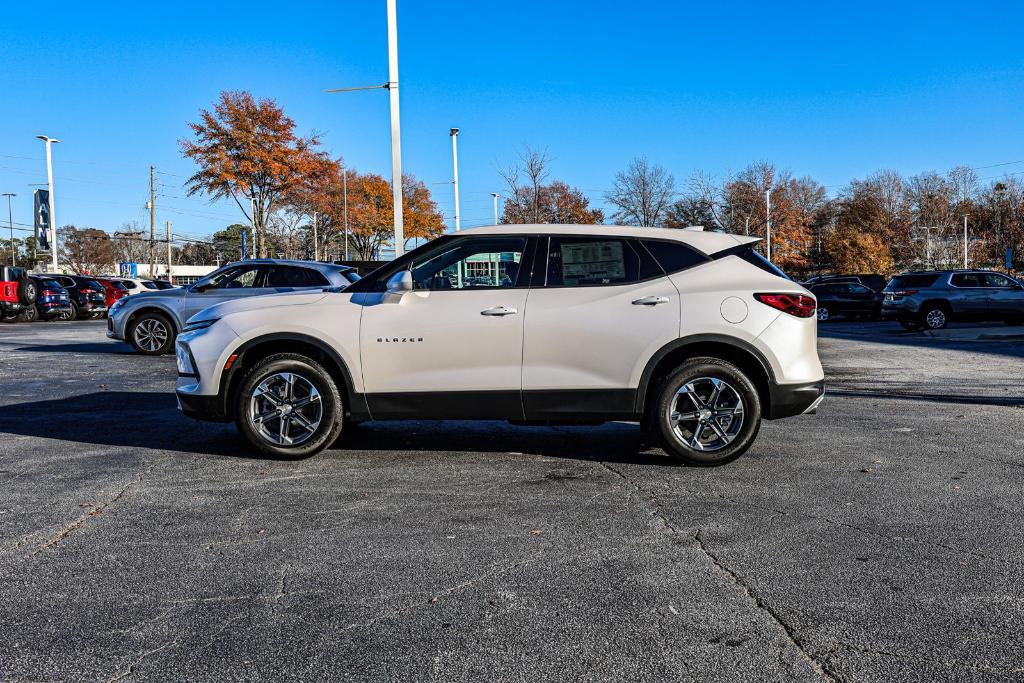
{"x": 344, "y": 193}
{"x": 396, "y": 137}
{"x": 768, "y": 222}
{"x": 10, "y": 219}
{"x": 170, "y": 278}
{"x": 49, "y": 185}
{"x": 494, "y": 196}
{"x": 454, "y": 132}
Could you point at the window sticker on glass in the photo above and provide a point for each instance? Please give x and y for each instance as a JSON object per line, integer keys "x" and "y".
{"x": 593, "y": 263}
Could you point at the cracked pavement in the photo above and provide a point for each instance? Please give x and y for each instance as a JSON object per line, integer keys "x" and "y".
{"x": 878, "y": 540}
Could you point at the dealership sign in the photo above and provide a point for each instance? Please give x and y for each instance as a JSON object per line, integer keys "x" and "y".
{"x": 42, "y": 220}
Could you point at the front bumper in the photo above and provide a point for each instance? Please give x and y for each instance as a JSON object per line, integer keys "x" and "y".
{"x": 207, "y": 408}
{"x": 788, "y": 400}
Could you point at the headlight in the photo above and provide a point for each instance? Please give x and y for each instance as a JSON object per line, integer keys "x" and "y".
{"x": 186, "y": 367}
{"x": 193, "y": 325}
{"x": 118, "y": 304}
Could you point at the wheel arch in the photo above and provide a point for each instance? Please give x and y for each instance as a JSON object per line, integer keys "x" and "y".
{"x": 250, "y": 352}
{"x": 150, "y": 308}
{"x": 742, "y": 354}
{"x": 937, "y": 303}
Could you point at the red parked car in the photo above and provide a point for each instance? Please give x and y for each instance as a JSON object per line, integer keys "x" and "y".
{"x": 112, "y": 290}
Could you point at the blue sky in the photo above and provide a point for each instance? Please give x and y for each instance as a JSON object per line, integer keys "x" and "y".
{"x": 835, "y": 92}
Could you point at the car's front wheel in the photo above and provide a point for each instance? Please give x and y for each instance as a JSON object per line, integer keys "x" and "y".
{"x": 707, "y": 413}
{"x": 289, "y": 407}
{"x": 151, "y": 334}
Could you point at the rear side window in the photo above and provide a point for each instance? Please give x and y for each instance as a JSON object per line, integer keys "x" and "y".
{"x": 51, "y": 284}
{"x": 967, "y": 280}
{"x": 293, "y": 276}
{"x": 673, "y": 256}
{"x": 747, "y": 253}
{"x": 92, "y": 284}
{"x": 913, "y": 281}
{"x": 591, "y": 261}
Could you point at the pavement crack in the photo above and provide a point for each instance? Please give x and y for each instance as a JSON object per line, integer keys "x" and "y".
{"x": 130, "y": 669}
{"x": 96, "y": 511}
{"x": 974, "y": 666}
{"x": 282, "y": 585}
{"x": 792, "y": 636}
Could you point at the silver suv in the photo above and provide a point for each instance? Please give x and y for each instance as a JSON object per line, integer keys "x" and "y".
{"x": 932, "y": 299}
{"x": 150, "y": 321}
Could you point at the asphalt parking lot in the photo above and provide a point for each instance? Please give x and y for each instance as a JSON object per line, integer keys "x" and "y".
{"x": 878, "y": 540}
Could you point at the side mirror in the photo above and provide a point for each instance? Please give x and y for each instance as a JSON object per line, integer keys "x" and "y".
{"x": 400, "y": 283}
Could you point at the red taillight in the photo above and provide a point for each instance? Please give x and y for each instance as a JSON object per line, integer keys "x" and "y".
{"x": 904, "y": 292}
{"x": 799, "y": 305}
{"x": 86, "y": 290}
{"x": 50, "y": 292}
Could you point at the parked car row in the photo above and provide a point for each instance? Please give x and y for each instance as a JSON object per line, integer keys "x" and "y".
{"x": 55, "y": 296}
{"x": 921, "y": 299}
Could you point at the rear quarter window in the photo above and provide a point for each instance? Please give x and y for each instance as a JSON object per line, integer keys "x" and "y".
{"x": 673, "y": 256}
{"x": 914, "y": 281}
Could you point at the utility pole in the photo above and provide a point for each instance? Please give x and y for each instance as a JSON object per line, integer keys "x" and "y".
{"x": 494, "y": 196}
{"x": 768, "y": 222}
{"x": 49, "y": 184}
{"x": 316, "y": 245}
{"x": 454, "y": 132}
{"x": 10, "y": 219}
{"x": 344, "y": 191}
{"x": 965, "y": 242}
{"x": 152, "y": 222}
{"x": 396, "y": 136}
{"x": 170, "y": 278}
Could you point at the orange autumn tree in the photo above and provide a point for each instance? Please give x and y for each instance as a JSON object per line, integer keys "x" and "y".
{"x": 370, "y": 210}
{"x": 248, "y": 148}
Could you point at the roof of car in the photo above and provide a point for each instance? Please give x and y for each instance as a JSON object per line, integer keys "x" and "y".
{"x": 708, "y": 242}
{"x": 323, "y": 265}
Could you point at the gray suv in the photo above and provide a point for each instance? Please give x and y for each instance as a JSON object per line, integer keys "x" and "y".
{"x": 932, "y": 299}
{"x": 150, "y": 321}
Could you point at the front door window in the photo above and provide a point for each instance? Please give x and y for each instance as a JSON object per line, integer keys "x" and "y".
{"x": 472, "y": 263}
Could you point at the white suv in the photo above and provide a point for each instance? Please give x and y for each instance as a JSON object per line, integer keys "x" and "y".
{"x": 690, "y": 333}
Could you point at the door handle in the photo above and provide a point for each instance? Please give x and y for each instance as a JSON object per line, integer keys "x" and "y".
{"x": 499, "y": 311}
{"x": 651, "y": 301}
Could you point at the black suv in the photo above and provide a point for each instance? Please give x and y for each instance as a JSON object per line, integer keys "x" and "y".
{"x": 53, "y": 301}
{"x": 88, "y": 297}
{"x": 848, "y": 299}
{"x": 873, "y": 281}
{"x": 931, "y": 299}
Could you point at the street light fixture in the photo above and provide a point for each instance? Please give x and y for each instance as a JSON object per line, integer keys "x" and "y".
{"x": 49, "y": 184}
{"x": 454, "y": 132}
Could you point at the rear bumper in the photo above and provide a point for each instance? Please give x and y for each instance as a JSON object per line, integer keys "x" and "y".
{"x": 788, "y": 400}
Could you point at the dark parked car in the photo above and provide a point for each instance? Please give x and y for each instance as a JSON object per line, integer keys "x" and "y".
{"x": 88, "y": 297}
{"x": 933, "y": 299}
{"x": 53, "y": 301}
{"x": 848, "y": 299}
{"x": 870, "y": 280}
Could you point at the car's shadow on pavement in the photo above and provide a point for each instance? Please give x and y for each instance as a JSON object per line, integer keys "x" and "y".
{"x": 151, "y": 420}
{"x": 119, "y": 348}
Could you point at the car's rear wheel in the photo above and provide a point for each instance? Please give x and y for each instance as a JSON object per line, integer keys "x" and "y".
{"x": 707, "y": 412}
{"x": 28, "y": 315}
{"x": 69, "y": 314}
{"x": 289, "y": 407}
{"x": 151, "y": 334}
{"x": 823, "y": 314}
{"x": 934, "y": 317}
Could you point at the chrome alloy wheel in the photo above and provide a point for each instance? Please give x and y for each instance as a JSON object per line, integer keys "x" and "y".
{"x": 823, "y": 314}
{"x": 936, "y": 319}
{"x": 707, "y": 414}
{"x": 150, "y": 334}
{"x": 285, "y": 409}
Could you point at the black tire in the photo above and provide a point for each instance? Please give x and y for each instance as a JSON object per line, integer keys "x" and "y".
{"x": 67, "y": 315}
{"x": 934, "y": 316}
{"x": 824, "y": 315}
{"x": 908, "y": 325}
{"x": 28, "y": 292}
{"x": 701, "y": 373}
{"x": 29, "y": 315}
{"x": 151, "y": 334}
{"x": 306, "y": 370}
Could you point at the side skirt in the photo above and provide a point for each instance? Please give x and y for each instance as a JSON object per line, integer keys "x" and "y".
{"x": 558, "y": 406}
